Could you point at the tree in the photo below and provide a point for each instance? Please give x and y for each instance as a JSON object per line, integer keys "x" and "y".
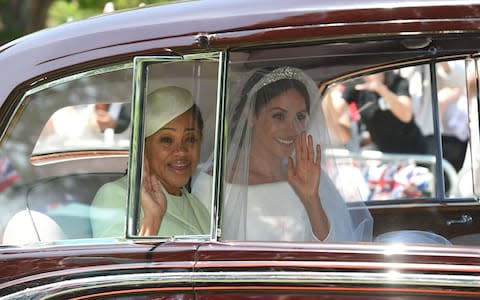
{"x": 20, "y": 17}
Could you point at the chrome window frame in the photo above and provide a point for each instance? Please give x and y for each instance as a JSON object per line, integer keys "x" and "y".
{"x": 442, "y": 284}
{"x": 136, "y": 147}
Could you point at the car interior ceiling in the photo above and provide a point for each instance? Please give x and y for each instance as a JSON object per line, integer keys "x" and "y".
{"x": 332, "y": 60}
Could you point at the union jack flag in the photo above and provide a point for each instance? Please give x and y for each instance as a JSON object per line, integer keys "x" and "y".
{"x": 8, "y": 175}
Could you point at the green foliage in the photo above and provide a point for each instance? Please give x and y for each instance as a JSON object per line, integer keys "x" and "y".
{"x": 63, "y": 11}
{"x": 16, "y": 16}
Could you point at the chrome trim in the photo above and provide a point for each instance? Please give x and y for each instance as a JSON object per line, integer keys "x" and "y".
{"x": 111, "y": 68}
{"x": 49, "y": 161}
{"x": 140, "y": 64}
{"x": 136, "y": 144}
{"x": 464, "y": 219}
{"x": 473, "y": 92}
{"x": 384, "y": 279}
{"x": 440, "y": 183}
{"x": 219, "y": 147}
{"x": 206, "y": 56}
{"x": 175, "y": 238}
{"x": 57, "y": 289}
{"x": 378, "y": 266}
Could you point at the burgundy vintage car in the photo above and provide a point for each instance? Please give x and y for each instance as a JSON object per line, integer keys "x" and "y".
{"x": 392, "y": 100}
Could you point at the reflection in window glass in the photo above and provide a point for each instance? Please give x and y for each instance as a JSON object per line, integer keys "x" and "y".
{"x": 58, "y": 188}
{"x": 474, "y": 161}
{"x": 177, "y": 140}
{"x": 82, "y": 127}
{"x": 379, "y": 122}
{"x": 396, "y": 151}
{"x": 453, "y": 119}
{"x": 178, "y": 121}
{"x": 381, "y": 135}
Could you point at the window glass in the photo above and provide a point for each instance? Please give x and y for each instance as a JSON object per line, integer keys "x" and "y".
{"x": 55, "y": 154}
{"x": 280, "y": 183}
{"x": 88, "y": 126}
{"x": 180, "y": 101}
{"x": 474, "y": 147}
{"x": 398, "y": 158}
{"x": 379, "y": 171}
{"x": 458, "y": 104}
{"x": 379, "y": 121}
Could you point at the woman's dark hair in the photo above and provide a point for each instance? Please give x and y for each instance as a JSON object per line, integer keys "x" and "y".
{"x": 266, "y": 93}
{"x": 272, "y": 90}
{"x": 197, "y": 116}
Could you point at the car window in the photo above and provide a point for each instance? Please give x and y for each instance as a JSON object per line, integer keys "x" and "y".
{"x": 382, "y": 140}
{"x": 401, "y": 163}
{"x": 276, "y": 169}
{"x": 468, "y": 175}
{"x": 179, "y": 103}
{"x": 390, "y": 137}
{"x": 84, "y": 127}
{"x": 56, "y": 154}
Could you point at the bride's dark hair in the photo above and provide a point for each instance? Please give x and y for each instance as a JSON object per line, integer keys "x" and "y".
{"x": 265, "y": 94}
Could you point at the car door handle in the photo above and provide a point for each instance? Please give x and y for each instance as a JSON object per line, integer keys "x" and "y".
{"x": 464, "y": 219}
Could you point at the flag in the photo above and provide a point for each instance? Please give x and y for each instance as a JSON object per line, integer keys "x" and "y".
{"x": 8, "y": 175}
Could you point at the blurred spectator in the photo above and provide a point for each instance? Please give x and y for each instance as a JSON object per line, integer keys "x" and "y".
{"x": 469, "y": 175}
{"x": 114, "y": 115}
{"x": 8, "y": 174}
{"x": 385, "y": 107}
{"x": 109, "y": 7}
{"x": 420, "y": 93}
{"x": 336, "y": 115}
{"x": 453, "y": 110}
{"x": 343, "y": 121}
{"x": 452, "y": 105}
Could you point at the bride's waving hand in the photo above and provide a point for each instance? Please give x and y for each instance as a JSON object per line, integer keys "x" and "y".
{"x": 304, "y": 177}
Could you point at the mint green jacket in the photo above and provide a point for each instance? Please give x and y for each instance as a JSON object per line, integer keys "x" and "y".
{"x": 185, "y": 214}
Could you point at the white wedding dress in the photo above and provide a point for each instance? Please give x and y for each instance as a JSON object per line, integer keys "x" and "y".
{"x": 273, "y": 212}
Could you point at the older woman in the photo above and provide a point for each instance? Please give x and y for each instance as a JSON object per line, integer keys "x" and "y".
{"x": 173, "y": 131}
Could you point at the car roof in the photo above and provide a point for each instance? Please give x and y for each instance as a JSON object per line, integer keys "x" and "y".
{"x": 187, "y": 17}
{"x": 225, "y": 24}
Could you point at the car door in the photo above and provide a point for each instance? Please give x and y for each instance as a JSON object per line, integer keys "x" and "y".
{"x": 96, "y": 268}
{"x": 415, "y": 186}
{"x": 55, "y": 157}
{"x": 275, "y": 270}
{"x": 418, "y": 212}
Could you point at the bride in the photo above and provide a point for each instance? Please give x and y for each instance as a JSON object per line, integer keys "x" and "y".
{"x": 277, "y": 186}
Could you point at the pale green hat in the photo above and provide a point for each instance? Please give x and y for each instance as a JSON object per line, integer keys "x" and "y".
{"x": 164, "y": 105}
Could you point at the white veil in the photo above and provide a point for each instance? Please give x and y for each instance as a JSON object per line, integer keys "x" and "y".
{"x": 247, "y": 207}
